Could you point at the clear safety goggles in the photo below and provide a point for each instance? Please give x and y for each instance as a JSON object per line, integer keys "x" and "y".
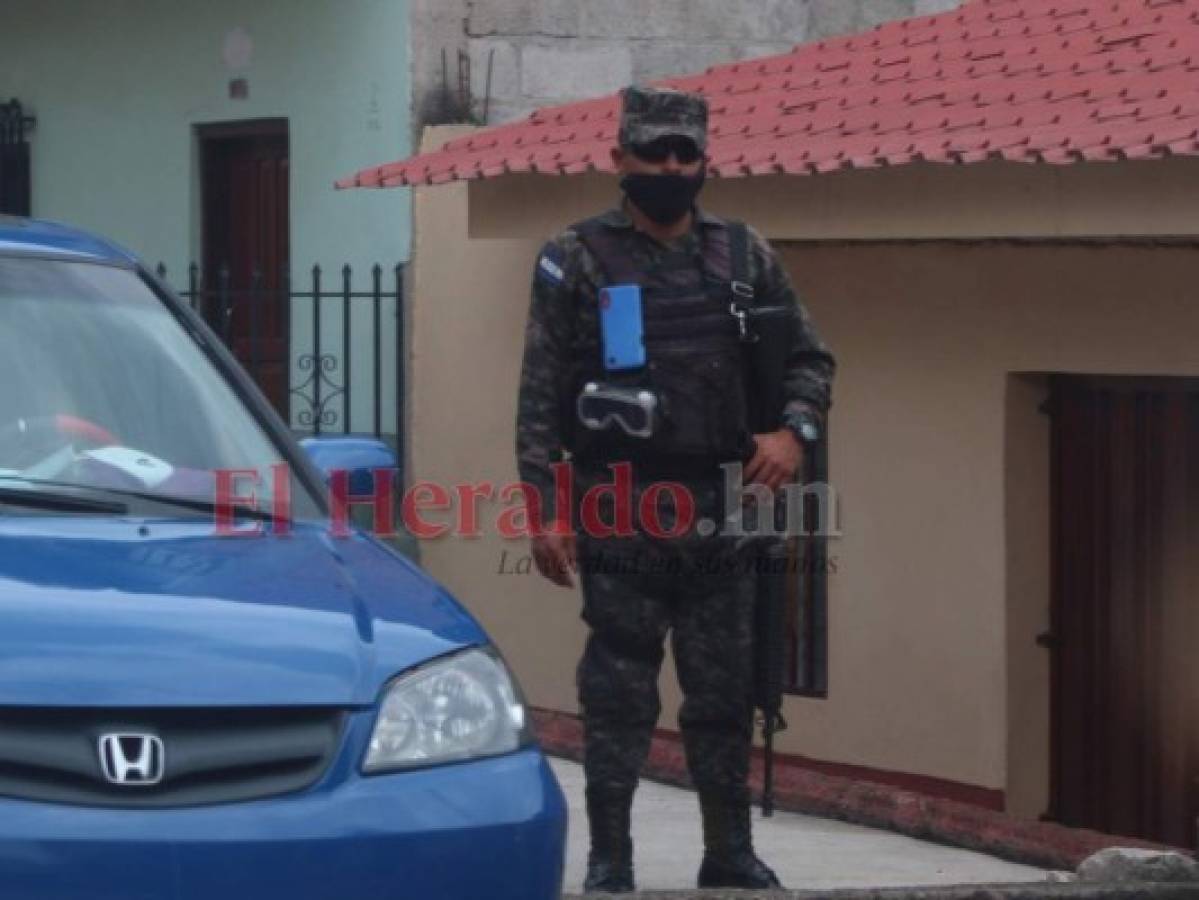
{"x": 632, "y": 409}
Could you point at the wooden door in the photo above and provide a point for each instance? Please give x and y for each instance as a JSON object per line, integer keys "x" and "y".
{"x": 246, "y": 246}
{"x": 1125, "y": 636}
{"x": 15, "y": 173}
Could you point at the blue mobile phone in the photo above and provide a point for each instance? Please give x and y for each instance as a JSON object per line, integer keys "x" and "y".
{"x": 621, "y": 327}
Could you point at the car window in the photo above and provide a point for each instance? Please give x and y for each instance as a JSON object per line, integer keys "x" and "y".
{"x": 104, "y": 388}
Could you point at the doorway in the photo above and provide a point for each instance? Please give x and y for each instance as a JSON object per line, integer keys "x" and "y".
{"x": 245, "y": 230}
{"x": 15, "y": 174}
{"x": 1125, "y": 611}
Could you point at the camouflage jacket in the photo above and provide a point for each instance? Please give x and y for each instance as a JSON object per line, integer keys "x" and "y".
{"x": 563, "y": 306}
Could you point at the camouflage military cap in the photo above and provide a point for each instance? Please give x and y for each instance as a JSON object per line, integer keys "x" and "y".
{"x": 650, "y": 113}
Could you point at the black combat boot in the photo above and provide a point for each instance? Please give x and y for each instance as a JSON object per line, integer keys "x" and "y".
{"x": 729, "y": 859}
{"x": 610, "y": 863}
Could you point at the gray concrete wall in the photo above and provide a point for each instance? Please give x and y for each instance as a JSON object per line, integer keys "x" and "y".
{"x": 544, "y": 52}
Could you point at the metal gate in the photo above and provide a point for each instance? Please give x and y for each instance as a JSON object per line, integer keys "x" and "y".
{"x": 344, "y": 344}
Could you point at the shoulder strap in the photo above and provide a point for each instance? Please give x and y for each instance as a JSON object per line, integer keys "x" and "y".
{"x": 739, "y": 260}
{"x": 603, "y": 245}
{"x": 739, "y": 251}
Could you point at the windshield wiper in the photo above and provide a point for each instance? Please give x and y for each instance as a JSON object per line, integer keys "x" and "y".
{"x": 193, "y": 503}
{"x": 30, "y": 498}
{"x": 86, "y": 504}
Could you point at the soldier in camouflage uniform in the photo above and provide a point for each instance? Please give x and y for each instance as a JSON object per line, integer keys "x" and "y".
{"x": 639, "y": 587}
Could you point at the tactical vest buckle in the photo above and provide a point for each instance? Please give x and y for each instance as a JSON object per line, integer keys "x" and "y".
{"x": 742, "y": 290}
{"x": 742, "y": 317}
{"x": 743, "y": 293}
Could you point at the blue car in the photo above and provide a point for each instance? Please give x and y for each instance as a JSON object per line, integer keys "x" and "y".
{"x": 188, "y": 714}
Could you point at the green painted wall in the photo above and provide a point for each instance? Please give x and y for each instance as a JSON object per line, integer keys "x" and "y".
{"x": 117, "y": 85}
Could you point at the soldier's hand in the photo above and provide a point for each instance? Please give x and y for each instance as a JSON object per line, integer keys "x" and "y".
{"x": 554, "y": 555}
{"x": 777, "y": 457}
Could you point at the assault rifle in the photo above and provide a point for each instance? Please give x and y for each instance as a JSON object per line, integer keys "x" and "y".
{"x": 769, "y": 330}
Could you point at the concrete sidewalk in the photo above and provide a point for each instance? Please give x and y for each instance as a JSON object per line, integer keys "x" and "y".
{"x": 806, "y": 852}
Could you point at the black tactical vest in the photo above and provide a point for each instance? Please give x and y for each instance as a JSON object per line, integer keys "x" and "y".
{"x": 694, "y": 354}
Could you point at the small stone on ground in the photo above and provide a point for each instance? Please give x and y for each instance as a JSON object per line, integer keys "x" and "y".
{"x": 1127, "y": 864}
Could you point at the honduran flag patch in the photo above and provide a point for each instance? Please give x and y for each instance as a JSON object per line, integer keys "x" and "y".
{"x": 549, "y": 264}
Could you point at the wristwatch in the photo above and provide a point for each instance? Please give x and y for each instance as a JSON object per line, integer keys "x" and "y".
{"x": 804, "y": 425}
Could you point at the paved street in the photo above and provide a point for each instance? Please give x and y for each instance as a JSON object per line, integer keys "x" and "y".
{"x": 807, "y": 852}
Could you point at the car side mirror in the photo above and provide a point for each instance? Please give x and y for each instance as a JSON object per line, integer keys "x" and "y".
{"x": 361, "y": 457}
{"x": 357, "y": 455}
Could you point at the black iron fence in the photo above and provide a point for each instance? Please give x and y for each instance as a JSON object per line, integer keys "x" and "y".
{"x": 330, "y": 358}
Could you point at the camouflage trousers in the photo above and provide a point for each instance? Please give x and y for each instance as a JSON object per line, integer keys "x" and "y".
{"x": 637, "y": 590}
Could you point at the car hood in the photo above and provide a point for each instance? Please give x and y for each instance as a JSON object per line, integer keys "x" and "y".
{"x": 130, "y": 612}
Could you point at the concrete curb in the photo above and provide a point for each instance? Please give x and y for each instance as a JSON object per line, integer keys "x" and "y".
{"x": 1143, "y": 891}
{"x": 1042, "y": 844}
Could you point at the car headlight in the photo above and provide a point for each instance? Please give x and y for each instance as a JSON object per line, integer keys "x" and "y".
{"x": 459, "y": 707}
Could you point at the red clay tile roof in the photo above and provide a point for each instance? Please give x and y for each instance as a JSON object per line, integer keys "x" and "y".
{"x": 1056, "y": 81}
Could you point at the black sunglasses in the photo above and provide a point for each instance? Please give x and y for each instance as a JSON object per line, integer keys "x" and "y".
{"x": 683, "y": 148}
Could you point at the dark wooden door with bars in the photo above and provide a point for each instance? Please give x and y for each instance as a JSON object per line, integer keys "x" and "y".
{"x": 244, "y": 185}
{"x": 15, "y": 167}
{"x": 1125, "y": 636}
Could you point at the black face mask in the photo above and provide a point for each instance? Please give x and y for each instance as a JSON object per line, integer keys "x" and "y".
{"x": 663, "y": 198}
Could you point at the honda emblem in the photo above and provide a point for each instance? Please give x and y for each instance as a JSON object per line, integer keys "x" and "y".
{"x": 132, "y": 759}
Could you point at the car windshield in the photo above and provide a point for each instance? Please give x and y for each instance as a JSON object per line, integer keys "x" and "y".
{"x": 104, "y": 391}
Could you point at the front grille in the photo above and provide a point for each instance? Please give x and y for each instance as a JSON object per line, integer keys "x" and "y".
{"x": 210, "y": 755}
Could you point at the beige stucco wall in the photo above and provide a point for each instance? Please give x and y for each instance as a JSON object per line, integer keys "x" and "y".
{"x": 1027, "y": 532}
{"x": 1157, "y": 198}
{"x": 938, "y": 452}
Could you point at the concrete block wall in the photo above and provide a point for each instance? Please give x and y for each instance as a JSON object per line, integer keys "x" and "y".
{"x": 543, "y": 52}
